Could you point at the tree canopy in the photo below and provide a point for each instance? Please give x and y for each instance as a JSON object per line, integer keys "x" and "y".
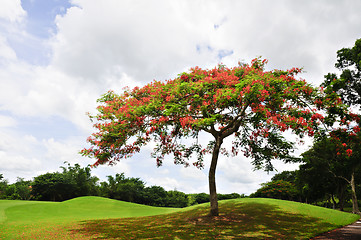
{"x": 348, "y": 84}
{"x": 252, "y": 105}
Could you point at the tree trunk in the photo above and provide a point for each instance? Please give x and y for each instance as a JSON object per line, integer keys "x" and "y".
{"x": 355, "y": 208}
{"x": 333, "y": 202}
{"x": 212, "y": 178}
{"x": 341, "y": 196}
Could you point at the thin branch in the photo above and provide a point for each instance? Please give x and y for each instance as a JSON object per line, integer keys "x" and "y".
{"x": 235, "y": 123}
{"x": 341, "y": 177}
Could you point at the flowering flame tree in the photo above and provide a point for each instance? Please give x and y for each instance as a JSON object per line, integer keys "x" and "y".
{"x": 246, "y": 102}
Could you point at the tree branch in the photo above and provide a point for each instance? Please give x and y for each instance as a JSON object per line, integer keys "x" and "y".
{"x": 234, "y": 125}
{"x": 341, "y": 177}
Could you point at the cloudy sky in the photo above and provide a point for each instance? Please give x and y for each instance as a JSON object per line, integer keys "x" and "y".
{"x": 58, "y": 56}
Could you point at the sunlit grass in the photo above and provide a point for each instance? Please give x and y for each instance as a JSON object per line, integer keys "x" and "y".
{"x": 30, "y": 219}
{"x": 99, "y": 218}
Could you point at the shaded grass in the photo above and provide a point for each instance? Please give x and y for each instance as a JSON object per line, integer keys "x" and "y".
{"x": 239, "y": 219}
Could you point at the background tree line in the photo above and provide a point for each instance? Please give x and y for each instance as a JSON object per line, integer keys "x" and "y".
{"x": 312, "y": 185}
{"x": 76, "y": 181}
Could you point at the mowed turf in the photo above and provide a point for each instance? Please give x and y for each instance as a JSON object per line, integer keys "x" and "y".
{"x": 99, "y": 218}
{"x": 35, "y": 219}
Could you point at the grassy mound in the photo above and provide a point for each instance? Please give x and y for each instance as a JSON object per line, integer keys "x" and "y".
{"x": 239, "y": 219}
{"x": 100, "y": 218}
{"x": 26, "y": 218}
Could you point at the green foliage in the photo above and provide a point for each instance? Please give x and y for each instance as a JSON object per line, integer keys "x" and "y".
{"x": 83, "y": 184}
{"x": 325, "y": 173}
{"x": 176, "y": 199}
{"x": 201, "y": 198}
{"x": 3, "y": 186}
{"x": 333, "y": 162}
{"x": 51, "y": 187}
{"x": 348, "y": 84}
{"x": 21, "y": 190}
{"x": 315, "y": 175}
{"x": 122, "y": 188}
{"x": 155, "y": 196}
{"x": 289, "y": 176}
{"x": 73, "y": 181}
{"x": 230, "y": 196}
{"x": 278, "y": 189}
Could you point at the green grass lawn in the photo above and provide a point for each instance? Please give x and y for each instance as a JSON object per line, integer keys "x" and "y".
{"x": 100, "y": 218}
{"x": 32, "y": 219}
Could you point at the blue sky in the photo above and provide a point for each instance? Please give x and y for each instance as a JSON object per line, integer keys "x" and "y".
{"x": 57, "y": 57}
{"x": 40, "y": 25}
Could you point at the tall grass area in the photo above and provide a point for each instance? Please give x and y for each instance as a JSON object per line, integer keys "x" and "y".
{"x": 99, "y": 218}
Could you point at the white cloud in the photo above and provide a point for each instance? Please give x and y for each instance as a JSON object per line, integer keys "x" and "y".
{"x": 6, "y": 121}
{"x": 17, "y": 156}
{"x": 12, "y": 11}
{"x": 19, "y": 164}
{"x": 194, "y": 174}
{"x": 167, "y": 183}
{"x": 6, "y": 52}
{"x": 146, "y": 40}
{"x": 26, "y": 156}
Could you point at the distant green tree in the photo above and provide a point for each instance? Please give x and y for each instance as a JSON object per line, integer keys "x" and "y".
{"x": 11, "y": 193}
{"x": 176, "y": 199}
{"x": 198, "y": 198}
{"x": 294, "y": 178}
{"x": 20, "y": 190}
{"x": 289, "y": 176}
{"x": 24, "y": 188}
{"x": 83, "y": 183}
{"x": 202, "y": 197}
{"x": 122, "y": 188}
{"x": 228, "y": 196}
{"x": 73, "y": 181}
{"x": 3, "y": 186}
{"x": 52, "y": 187}
{"x": 278, "y": 189}
{"x": 155, "y": 196}
{"x": 191, "y": 200}
{"x": 131, "y": 190}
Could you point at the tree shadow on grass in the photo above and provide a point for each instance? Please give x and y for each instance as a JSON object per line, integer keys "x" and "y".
{"x": 236, "y": 221}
